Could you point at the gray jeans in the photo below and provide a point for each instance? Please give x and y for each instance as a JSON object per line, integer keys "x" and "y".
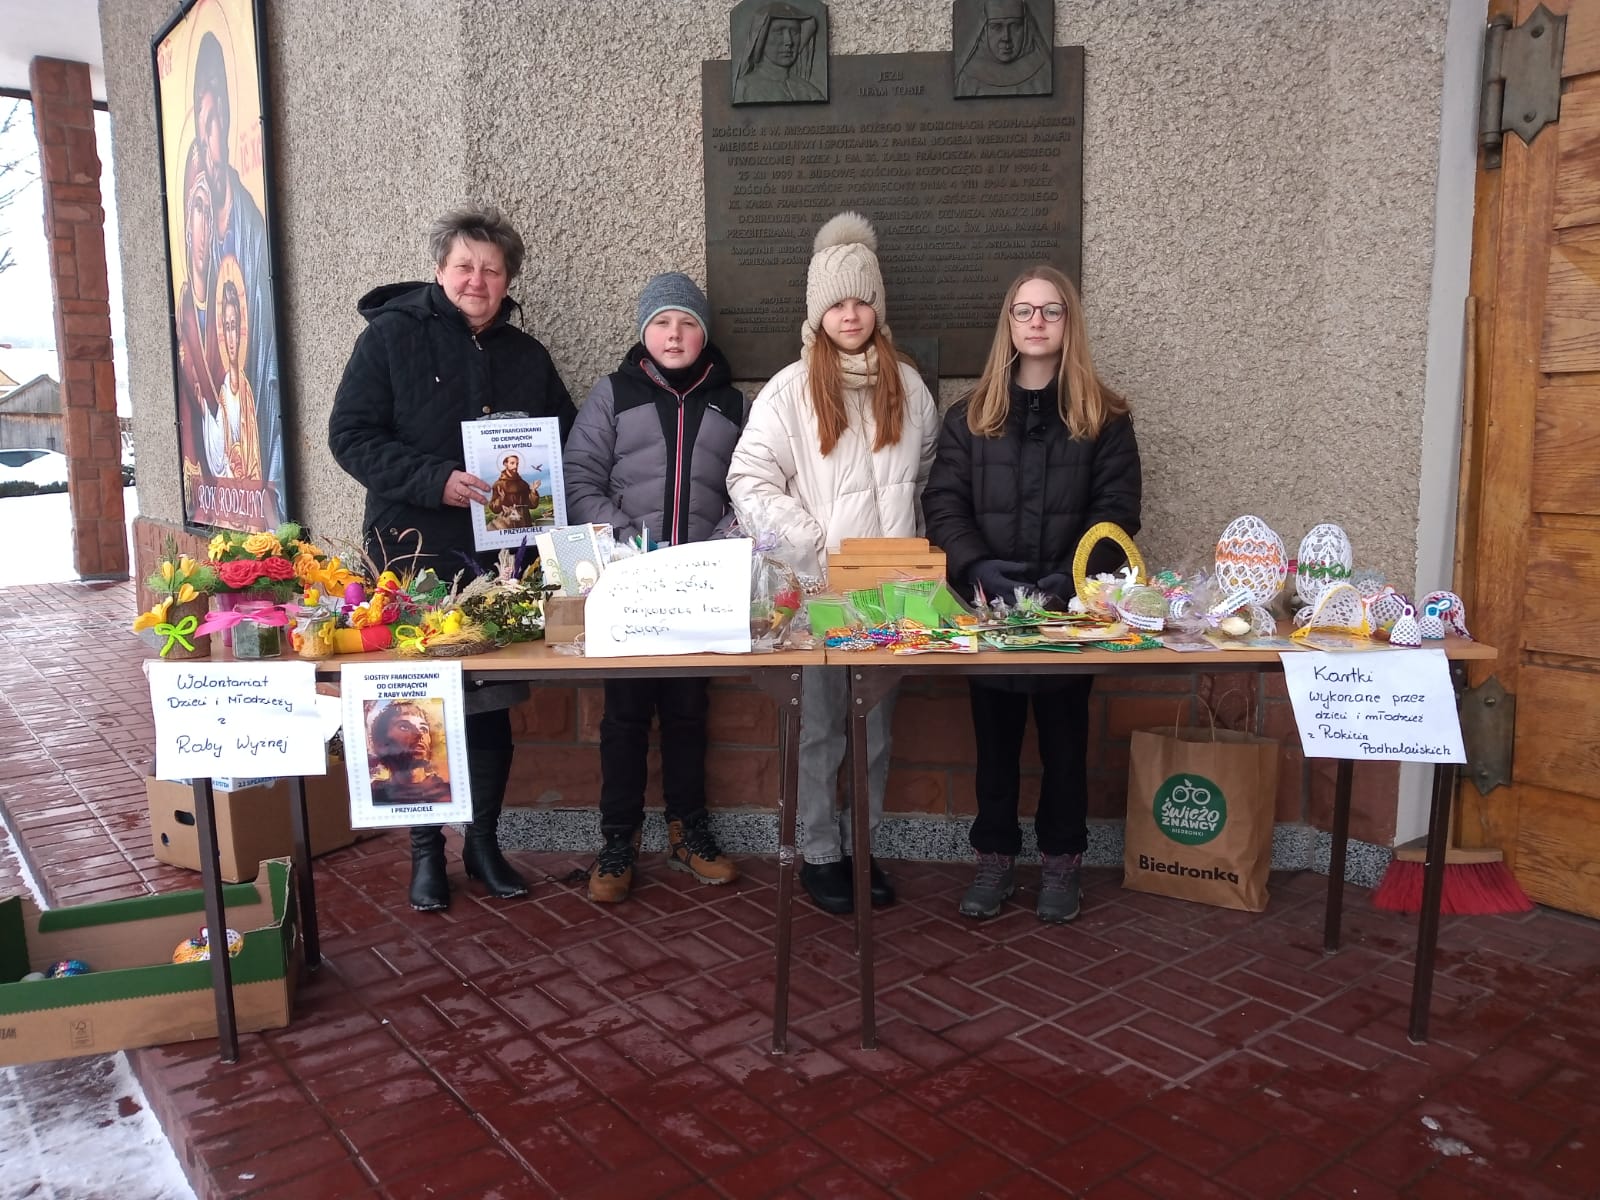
{"x": 824, "y": 709}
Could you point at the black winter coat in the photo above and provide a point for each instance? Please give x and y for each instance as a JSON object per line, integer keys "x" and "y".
{"x": 1028, "y": 495}
{"x": 416, "y": 373}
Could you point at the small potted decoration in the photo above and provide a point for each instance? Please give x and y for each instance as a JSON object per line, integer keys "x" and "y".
{"x": 183, "y": 588}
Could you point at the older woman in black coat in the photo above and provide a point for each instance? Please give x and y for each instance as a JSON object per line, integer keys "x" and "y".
{"x": 1040, "y": 451}
{"x": 432, "y": 356}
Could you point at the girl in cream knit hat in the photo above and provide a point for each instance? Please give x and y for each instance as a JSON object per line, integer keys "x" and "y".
{"x": 837, "y": 445}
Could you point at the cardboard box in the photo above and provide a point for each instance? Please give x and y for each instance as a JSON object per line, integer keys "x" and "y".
{"x": 563, "y": 618}
{"x": 253, "y": 822}
{"x": 134, "y": 994}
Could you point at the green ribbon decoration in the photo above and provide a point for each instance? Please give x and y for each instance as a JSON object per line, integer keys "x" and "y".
{"x": 178, "y": 634}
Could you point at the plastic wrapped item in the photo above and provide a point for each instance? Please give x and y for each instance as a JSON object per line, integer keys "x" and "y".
{"x": 776, "y": 596}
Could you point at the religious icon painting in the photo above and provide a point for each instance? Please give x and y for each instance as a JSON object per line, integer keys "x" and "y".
{"x": 1003, "y": 47}
{"x": 779, "y": 51}
{"x": 216, "y": 181}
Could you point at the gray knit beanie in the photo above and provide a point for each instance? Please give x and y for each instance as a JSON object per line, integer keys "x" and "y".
{"x": 673, "y": 291}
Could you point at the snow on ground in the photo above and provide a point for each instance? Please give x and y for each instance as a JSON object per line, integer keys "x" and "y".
{"x": 36, "y": 537}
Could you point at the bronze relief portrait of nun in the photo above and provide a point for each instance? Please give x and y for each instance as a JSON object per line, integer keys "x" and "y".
{"x": 1003, "y": 47}
{"x": 779, "y": 51}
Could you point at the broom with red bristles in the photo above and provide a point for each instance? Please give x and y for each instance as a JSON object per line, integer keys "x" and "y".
{"x": 1477, "y": 882}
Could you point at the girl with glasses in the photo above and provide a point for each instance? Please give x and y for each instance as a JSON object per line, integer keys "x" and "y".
{"x": 1038, "y": 452}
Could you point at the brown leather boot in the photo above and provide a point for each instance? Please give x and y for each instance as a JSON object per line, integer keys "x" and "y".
{"x": 611, "y": 876}
{"x": 692, "y": 848}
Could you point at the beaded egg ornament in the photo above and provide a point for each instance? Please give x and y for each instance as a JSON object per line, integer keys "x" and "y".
{"x": 1251, "y": 558}
{"x": 1447, "y": 609}
{"x": 1339, "y": 609}
{"x": 1324, "y": 558}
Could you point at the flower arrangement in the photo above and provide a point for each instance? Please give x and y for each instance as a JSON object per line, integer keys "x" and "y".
{"x": 182, "y": 586}
{"x": 282, "y": 563}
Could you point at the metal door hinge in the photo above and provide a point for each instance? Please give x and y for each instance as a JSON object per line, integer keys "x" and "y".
{"x": 1488, "y": 732}
{"x": 1521, "y": 79}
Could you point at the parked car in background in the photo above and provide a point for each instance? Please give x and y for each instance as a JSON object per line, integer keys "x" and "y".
{"x": 44, "y": 469}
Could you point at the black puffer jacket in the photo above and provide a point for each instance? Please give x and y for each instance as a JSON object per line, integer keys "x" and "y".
{"x": 1029, "y": 495}
{"x": 416, "y": 373}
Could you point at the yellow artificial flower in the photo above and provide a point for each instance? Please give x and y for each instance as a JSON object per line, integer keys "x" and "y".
{"x": 156, "y": 616}
{"x": 186, "y": 593}
{"x": 262, "y": 545}
{"x": 186, "y": 566}
{"x": 217, "y": 547}
{"x": 167, "y": 571}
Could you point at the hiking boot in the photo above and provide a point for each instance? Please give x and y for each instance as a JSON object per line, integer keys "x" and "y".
{"x": 692, "y": 847}
{"x": 882, "y": 889}
{"x": 996, "y": 880}
{"x": 612, "y": 873}
{"x": 829, "y": 886}
{"x": 1058, "y": 888}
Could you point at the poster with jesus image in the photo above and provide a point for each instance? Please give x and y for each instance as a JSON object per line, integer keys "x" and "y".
{"x": 520, "y": 459}
{"x": 405, "y": 742}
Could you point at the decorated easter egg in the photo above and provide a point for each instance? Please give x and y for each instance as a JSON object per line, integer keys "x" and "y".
{"x": 1251, "y": 558}
{"x": 1447, "y": 606}
{"x": 1325, "y": 557}
{"x": 66, "y": 967}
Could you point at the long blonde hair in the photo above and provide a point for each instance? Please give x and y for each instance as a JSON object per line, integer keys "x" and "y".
{"x": 826, "y": 381}
{"x": 1085, "y": 400}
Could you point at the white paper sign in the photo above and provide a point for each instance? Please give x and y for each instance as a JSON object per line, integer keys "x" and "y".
{"x": 1399, "y": 706}
{"x": 236, "y": 719}
{"x": 405, "y": 743}
{"x": 520, "y": 459}
{"x": 692, "y": 599}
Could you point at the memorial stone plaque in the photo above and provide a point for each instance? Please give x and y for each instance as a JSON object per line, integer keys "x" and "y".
{"x": 963, "y": 193}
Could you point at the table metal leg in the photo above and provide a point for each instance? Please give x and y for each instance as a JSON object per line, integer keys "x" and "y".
{"x": 783, "y": 685}
{"x": 1336, "y": 850}
{"x": 205, "y": 820}
{"x": 861, "y": 842}
{"x": 300, "y": 822}
{"x": 1444, "y": 790}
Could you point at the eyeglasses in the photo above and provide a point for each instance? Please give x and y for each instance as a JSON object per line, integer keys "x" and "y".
{"x": 1023, "y": 313}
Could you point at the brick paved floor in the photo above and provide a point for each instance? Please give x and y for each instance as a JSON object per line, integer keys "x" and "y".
{"x": 546, "y": 1047}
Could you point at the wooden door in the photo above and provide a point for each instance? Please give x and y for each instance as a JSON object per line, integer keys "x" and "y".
{"x": 1532, "y": 567}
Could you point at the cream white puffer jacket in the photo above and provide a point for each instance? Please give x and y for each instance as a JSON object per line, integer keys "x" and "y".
{"x": 780, "y": 482}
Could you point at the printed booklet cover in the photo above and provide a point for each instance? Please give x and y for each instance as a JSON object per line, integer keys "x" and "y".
{"x": 520, "y": 459}
{"x": 405, "y": 743}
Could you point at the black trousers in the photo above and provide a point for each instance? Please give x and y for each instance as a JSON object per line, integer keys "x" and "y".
{"x": 625, "y": 746}
{"x": 1061, "y": 718}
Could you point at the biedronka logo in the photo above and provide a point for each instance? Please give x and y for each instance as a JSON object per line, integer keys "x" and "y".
{"x": 1190, "y": 809}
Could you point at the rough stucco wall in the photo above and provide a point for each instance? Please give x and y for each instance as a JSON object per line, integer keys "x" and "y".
{"x": 1258, "y": 182}
{"x": 364, "y": 96}
{"x": 125, "y": 32}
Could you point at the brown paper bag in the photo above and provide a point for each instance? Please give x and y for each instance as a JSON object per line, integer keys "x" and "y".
{"x": 1200, "y": 809}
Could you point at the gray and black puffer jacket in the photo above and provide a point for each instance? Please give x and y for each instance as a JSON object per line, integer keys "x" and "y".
{"x": 650, "y": 449}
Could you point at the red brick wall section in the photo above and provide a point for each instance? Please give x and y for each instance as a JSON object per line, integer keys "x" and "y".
{"x": 63, "y": 116}
{"x": 558, "y": 735}
{"x": 931, "y": 773}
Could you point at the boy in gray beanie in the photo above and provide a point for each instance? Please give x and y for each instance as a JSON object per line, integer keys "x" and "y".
{"x": 648, "y": 455}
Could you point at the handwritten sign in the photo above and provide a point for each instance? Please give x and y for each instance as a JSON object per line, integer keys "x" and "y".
{"x": 236, "y": 719}
{"x": 1398, "y": 706}
{"x": 692, "y": 599}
